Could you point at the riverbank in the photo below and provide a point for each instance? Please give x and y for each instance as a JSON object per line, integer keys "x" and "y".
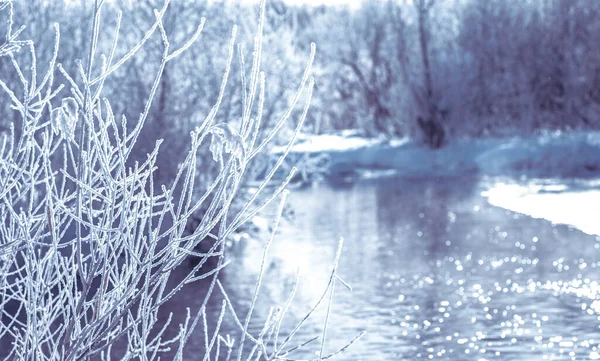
{"x": 347, "y": 155}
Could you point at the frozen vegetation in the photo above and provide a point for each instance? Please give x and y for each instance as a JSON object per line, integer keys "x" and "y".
{"x": 91, "y": 231}
{"x": 427, "y": 69}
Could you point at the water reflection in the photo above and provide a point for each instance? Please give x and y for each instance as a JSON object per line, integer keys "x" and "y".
{"x": 437, "y": 274}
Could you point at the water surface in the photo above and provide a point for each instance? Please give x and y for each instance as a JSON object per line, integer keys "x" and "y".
{"x": 437, "y": 273}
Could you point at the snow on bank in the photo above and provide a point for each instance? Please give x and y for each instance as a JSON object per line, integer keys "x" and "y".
{"x": 566, "y": 155}
{"x": 574, "y": 154}
{"x": 329, "y": 143}
{"x": 554, "y": 202}
{"x": 563, "y": 156}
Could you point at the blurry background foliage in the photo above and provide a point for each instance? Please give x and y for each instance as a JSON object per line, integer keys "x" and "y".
{"x": 463, "y": 67}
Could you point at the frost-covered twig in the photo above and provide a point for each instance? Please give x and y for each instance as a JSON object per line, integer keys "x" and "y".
{"x": 88, "y": 241}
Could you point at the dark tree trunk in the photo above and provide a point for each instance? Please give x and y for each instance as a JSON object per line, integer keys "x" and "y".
{"x": 430, "y": 125}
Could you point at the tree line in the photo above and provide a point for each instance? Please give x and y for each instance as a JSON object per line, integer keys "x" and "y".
{"x": 432, "y": 69}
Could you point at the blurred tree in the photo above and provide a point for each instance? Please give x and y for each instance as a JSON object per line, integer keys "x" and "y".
{"x": 357, "y": 63}
{"x": 528, "y": 66}
{"x": 430, "y": 122}
{"x": 431, "y": 69}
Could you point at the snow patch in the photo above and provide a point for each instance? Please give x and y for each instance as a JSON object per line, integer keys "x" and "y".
{"x": 329, "y": 143}
{"x": 261, "y": 223}
{"x": 555, "y": 203}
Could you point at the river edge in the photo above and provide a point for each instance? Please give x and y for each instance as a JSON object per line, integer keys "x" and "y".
{"x": 346, "y": 156}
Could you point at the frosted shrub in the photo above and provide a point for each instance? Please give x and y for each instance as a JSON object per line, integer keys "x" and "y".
{"x": 88, "y": 241}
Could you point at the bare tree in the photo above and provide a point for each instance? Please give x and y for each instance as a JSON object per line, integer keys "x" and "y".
{"x": 430, "y": 122}
{"x": 360, "y": 68}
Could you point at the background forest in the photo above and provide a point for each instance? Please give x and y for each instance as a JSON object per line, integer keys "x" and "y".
{"x": 425, "y": 68}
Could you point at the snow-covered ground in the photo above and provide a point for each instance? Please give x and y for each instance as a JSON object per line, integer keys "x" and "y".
{"x": 329, "y": 143}
{"x": 561, "y": 204}
{"x": 574, "y": 154}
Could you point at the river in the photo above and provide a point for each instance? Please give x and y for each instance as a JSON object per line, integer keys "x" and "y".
{"x": 436, "y": 273}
